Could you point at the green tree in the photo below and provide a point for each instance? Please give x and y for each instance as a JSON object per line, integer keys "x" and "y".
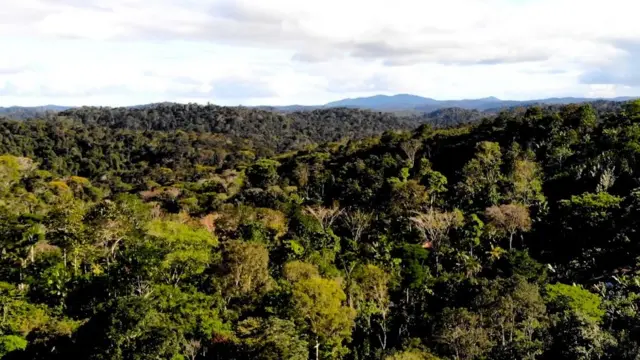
{"x": 412, "y": 355}
{"x": 480, "y": 185}
{"x": 517, "y": 318}
{"x": 244, "y": 269}
{"x": 373, "y": 299}
{"x": 463, "y": 334}
{"x": 263, "y": 173}
{"x": 576, "y": 316}
{"x": 575, "y": 299}
{"x": 525, "y": 182}
{"x": 271, "y": 339}
{"x": 10, "y": 343}
{"x": 319, "y": 305}
{"x": 186, "y": 249}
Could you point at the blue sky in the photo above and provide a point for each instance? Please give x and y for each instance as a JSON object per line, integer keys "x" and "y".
{"x": 251, "y": 52}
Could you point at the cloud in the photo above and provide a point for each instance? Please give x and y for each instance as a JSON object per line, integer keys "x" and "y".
{"x": 373, "y": 84}
{"x": 612, "y": 76}
{"x": 313, "y": 57}
{"x": 12, "y": 69}
{"x": 12, "y": 89}
{"x": 238, "y": 89}
{"x": 160, "y": 84}
{"x": 309, "y": 51}
{"x": 623, "y": 70}
{"x": 486, "y": 32}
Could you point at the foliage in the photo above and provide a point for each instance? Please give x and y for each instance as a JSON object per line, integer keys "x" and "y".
{"x": 201, "y": 232}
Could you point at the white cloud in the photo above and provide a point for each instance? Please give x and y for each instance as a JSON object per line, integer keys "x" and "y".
{"x": 291, "y": 51}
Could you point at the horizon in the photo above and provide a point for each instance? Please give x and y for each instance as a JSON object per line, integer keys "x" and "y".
{"x": 283, "y": 52}
{"x": 312, "y": 105}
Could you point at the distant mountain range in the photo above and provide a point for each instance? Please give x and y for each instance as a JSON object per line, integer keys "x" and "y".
{"x": 408, "y": 102}
{"x": 414, "y": 103}
{"x": 394, "y": 103}
{"x": 35, "y": 108}
{"x": 26, "y": 112}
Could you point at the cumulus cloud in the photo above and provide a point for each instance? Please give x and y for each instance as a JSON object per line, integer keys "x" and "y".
{"x": 623, "y": 70}
{"x": 460, "y": 31}
{"x": 11, "y": 70}
{"x": 313, "y": 49}
{"x": 239, "y": 89}
{"x": 374, "y": 84}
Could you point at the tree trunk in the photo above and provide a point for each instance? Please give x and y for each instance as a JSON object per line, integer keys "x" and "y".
{"x": 317, "y": 350}
{"x": 383, "y": 337}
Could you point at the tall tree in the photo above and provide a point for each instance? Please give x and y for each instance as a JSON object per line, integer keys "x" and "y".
{"x": 374, "y": 301}
{"x": 508, "y": 220}
{"x": 319, "y": 305}
{"x": 482, "y": 176}
{"x": 435, "y": 226}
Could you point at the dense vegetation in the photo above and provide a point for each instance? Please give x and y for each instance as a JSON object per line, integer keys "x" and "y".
{"x": 130, "y": 237}
{"x": 265, "y": 128}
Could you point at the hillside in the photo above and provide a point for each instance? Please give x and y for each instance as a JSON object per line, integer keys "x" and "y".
{"x": 383, "y": 102}
{"x": 265, "y": 128}
{"x": 403, "y": 104}
{"x": 21, "y": 113}
{"x": 512, "y": 237}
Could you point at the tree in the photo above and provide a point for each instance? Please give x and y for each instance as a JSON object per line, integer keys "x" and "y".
{"x": 576, "y": 314}
{"x": 373, "y": 298}
{"x": 12, "y": 168}
{"x": 581, "y": 117}
{"x": 325, "y": 216}
{"x": 192, "y": 349}
{"x": 575, "y": 299}
{"x": 10, "y": 343}
{"x": 301, "y": 175}
{"x": 407, "y": 196}
{"x": 482, "y": 175}
{"x": 319, "y": 305}
{"x": 109, "y": 247}
{"x": 462, "y": 333}
{"x": 517, "y": 318}
{"x": 186, "y": 249}
{"x": 272, "y": 339}
{"x": 508, "y": 220}
{"x": 357, "y": 221}
{"x": 412, "y": 355}
{"x": 129, "y": 329}
{"x": 263, "y": 173}
{"x": 410, "y": 149}
{"x": 435, "y": 226}
{"x": 632, "y": 110}
{"x": 526, "y": 182}
{"x": 295, "y": 271}
{"x": 435, "y": 182}
{"x": 587, "y": 226}
{"x": 245, "y": 269}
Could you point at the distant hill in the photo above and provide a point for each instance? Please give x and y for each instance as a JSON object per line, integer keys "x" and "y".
{"x": 265, "y": 128}
{"x": 405, "y": 102}
{"x": 384, "y": 102}
{"x": 402, "y": 105}
{"x": 20, "y": 112}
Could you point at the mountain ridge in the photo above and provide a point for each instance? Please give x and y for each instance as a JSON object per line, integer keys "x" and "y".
{"x": 386, "y": 103}
{"x": 425, "y": 104}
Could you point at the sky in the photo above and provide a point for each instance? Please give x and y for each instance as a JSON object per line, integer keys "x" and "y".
{"x": 309, "y": 52}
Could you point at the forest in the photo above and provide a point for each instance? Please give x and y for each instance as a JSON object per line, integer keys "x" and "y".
{"x": 191, "y": 232}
